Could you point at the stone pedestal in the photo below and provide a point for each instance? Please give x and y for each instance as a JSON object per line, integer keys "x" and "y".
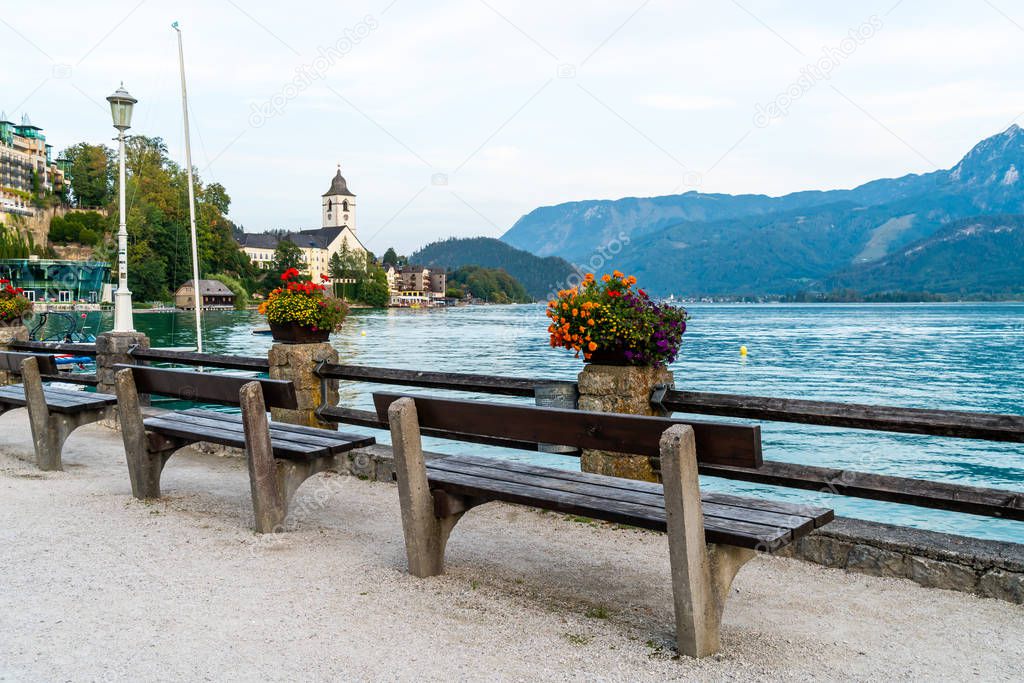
{"x": 619, "y": 389}
{"x": 8, "y": 334}
{"x": 112, "y": 348}
{"x": 296, "y": 362}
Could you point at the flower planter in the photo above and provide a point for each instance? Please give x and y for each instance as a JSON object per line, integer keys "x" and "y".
{"x": 609, "y": 358}
{"x": 291, "y": 333}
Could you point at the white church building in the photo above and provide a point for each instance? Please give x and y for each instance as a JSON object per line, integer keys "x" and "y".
{"x": 338, "y": 228}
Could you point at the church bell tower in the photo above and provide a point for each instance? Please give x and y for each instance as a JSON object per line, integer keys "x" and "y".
{"x": 339, "y": 204}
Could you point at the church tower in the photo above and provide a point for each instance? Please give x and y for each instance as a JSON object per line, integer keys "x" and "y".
{"x": 339, "y": 204}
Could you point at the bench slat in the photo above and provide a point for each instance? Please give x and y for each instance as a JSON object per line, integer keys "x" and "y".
{"x": 820, "y": 516}
{"x": 564, "y": 481}
{"x": 224, "y": 436}
{"x": 229, "y": 432}
{"x": 717, "y": 443}
{"x": 10, "y": 361}
{"x": 58, "y": 400}
{"x": 202, "y": 419}
{"x": 716, "y": 530}
{"x": 188, "y": 385}
{"x": 314, "y": 434}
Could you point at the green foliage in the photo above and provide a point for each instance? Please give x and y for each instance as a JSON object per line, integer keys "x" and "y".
{"x": 541, "y": 277}
{"x": 287, "y": 256}
{"x": 13, "y": 245}
{"x": 489, "y": 284}
{"x": 83, "y": 227}
{"x": 147, "y": 274}
{"x": 372, "y": 289}
{"x": 90, "y": 173}
{"x": 159, "y": 252}
{"x": 236, "y": 287}
{"x": 391, "y": 258}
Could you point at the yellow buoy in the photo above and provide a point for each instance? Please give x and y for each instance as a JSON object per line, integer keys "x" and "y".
{"x": 743, "y": 351}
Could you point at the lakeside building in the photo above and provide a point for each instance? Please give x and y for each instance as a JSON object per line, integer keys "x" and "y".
{"x": 26, "y": 166}
{"x": 59, "y": 281}
{"x": 215, "y": 295}
{"x": 318, "y": 245}
{"x": 416, "y": 286}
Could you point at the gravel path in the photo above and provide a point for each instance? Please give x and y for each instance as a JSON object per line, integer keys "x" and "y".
{"x": 97, "y": 586}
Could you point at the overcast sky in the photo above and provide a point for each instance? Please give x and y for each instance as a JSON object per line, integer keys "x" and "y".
{"x": 456, "y": 118}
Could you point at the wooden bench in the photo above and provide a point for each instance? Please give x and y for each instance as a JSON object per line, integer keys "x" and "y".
{"x": 280, "y": 456}
{"x": 710, "y": 535}
{"x": 53, "y": 413}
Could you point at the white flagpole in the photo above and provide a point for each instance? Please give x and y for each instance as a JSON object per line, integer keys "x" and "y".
{"x": 197, "y": 290}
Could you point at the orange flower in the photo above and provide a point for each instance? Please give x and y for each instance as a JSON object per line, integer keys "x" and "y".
{"x": 575, "y": 312}
{"x": 592, "y": 346}
{"x": 591, "y": 322}
{"x": 606, "y": 278}
{"x": 616, "y": 273}
{"x": 631, "y": 280}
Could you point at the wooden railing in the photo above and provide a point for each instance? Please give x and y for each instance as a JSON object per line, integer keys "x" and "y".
{"x": 910, "y": 491}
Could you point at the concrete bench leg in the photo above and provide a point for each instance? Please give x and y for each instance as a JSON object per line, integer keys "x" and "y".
{"x": 50, "y": 429}
{"x": 427, "y": 519}
{"x": 701, "y": 573}
{"x": 146, "y": 453}
{"x": 273, "y": 482}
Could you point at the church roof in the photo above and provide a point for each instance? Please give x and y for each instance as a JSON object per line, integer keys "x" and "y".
{"x": 316, "y": 238}
{"x": 338, "y": 186}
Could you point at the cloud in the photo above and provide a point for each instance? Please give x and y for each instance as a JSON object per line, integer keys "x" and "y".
{"x": 684, "y": 102}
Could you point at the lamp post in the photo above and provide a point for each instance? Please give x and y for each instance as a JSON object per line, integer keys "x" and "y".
{"x": 121, "y": 104}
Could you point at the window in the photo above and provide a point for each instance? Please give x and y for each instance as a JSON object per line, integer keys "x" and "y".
{"x": 64, "y": 295}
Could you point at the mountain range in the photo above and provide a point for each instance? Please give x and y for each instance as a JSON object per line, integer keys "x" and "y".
{"x": 955, "y": 231}
{"x": 539, "y": 276}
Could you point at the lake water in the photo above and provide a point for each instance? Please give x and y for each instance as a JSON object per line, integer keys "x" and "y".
{"x": 948, "y": 356}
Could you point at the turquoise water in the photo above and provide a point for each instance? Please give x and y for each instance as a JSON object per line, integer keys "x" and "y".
{"x": 949, "y": 356}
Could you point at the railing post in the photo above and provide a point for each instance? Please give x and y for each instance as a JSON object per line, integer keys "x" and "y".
{"x": 113, "y": 348}
{"x": 296, "y": 362}
{"x": 9, "y": 333}
{"x": 620, "y": 389}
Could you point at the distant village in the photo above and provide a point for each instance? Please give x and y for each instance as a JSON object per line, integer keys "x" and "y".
{"x": 409, "y": 286}
{"x": 68, "y": 276}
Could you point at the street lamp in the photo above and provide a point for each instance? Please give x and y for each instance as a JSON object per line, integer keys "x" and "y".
{"x": 121, "y": 104}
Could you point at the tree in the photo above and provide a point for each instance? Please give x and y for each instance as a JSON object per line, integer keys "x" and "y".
{"x": 346, "y": 264}
{"x": 390, "y": 257}
{"x": 90, "y": 173}
{"x": 373, "y": 290}
{"x": 286, "y": 256}
{"x": 335, "y": 269}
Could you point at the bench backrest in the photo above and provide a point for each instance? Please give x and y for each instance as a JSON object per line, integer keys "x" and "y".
{"x": 10, "y": 361}
{"x": 717, "y": 443}
{"x": 201, "y": 387}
